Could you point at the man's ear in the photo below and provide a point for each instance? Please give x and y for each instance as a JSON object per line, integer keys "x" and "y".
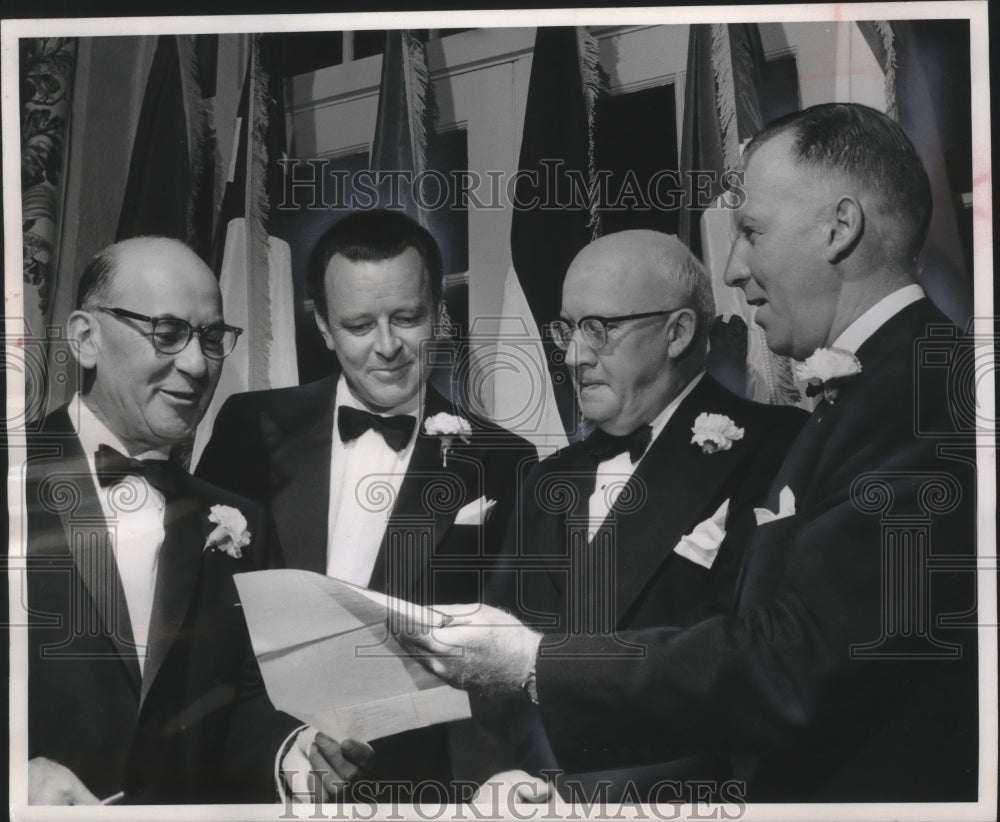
{"x": 846, "y": 227}
{"x": 85, "y": 337}
{"x": 682, "y": 331}
{"x": 324, "y": 330}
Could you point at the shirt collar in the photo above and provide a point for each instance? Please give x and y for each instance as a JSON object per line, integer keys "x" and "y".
{"x": 852, "y": 337}
{"x": 659, "y": 422}
{"x": 93, "y": 433}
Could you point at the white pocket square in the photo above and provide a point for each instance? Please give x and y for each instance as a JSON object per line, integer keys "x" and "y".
{"x": 701, "y": 546}
{"x": 476, "y": 512}
{"x": 786, "y": 508}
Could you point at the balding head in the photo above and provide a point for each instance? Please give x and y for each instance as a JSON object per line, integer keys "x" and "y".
{"x": 150, "y": 400}
{"x": 646, "y": 361}
{"x": 652, "y": 263}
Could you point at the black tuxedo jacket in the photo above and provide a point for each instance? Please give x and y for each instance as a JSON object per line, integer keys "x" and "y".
{"x": 274, "y": 447}
{"x": 629, "y": 576}
{"x": 848, "y": 670}
{"x": 196, "y": 725}
{"x": 638, "y": 580}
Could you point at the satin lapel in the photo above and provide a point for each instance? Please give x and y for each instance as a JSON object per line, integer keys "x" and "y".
{"x": 563, "y": 497}
{"x": 300, "y": 466}
{"x": 177, "y": 570}
{"x": 88, "y": 538}
{"x": 664, "y": 499}
{"x": 429, "y": 497}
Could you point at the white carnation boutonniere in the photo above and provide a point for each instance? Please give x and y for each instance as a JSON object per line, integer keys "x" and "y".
{"x": 230, "y": 535}
{"x": 447, "y": 427}
{"x": 715, "y": 432}
{"x": 826, "y": 370}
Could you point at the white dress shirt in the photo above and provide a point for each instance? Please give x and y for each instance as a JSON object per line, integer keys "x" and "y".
{"x": 133, "y": 510}
{"x": 613, "y": 474}
{"x": 365, "y": 477}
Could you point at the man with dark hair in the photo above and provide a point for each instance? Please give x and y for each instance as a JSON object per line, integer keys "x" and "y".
{"x": 847, "y": 669}
{"x": 371, "y": 475}
{"x": 141, "y": 678}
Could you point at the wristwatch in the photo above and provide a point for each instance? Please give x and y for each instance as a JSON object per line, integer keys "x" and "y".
{"x": 530, "y": 687}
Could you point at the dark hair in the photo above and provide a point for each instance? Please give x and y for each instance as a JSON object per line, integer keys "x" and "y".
{"x": 869, "y": 147}
{"x": 372, "y": 236}
{"x": 97, "y": 278}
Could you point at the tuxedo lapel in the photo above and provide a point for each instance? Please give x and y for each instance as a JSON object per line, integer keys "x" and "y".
{"x": 890, "y": 345}
{"x": 667, "y": 495}
{"x": 88, "y": 537}
{"x": 300, "y": 444}
{"x": 429, "y": 497}
{"x": 177, "y": 570}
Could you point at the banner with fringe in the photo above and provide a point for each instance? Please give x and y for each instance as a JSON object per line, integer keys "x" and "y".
{"x": 557, "y": 145}
{"x": 251, "y": 255}
{"x": 171, "y": 154}
{"x": 403, "y": 120}
{"x": 721, "y": 111}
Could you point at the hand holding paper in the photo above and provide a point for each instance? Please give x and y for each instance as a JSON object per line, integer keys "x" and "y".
{"x": 481, "y": 648}
{"x": 327, "y": 658}
{"x": 318, "y": 769}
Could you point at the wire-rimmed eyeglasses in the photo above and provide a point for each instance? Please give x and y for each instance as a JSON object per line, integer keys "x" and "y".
{"x": 595, "y": 329}
{"x": 171, "y": 335}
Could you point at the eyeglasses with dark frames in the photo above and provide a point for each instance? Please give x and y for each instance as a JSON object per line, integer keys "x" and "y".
{"x": 595, "y": 329}
{"x": 171, "y": 335}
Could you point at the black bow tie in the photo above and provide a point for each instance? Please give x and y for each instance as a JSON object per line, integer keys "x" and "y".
{"x": 603, "y": 446}
{"x": 395, "y": 430}
{"x": 113, "y": 466}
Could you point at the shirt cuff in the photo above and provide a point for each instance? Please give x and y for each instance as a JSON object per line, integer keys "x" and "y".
{"x": 285, "y": 747}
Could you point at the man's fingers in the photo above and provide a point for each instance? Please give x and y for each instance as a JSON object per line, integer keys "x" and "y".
{"x": 333, "y": 755}
{"x": 360, "y": 753}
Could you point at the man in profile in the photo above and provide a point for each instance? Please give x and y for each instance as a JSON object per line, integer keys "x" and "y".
{"x": 142, "y": 685}
{"x": 847, "y": 670}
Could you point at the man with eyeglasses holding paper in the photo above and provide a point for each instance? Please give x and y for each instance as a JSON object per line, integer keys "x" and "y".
{"x": 142, "y": 685}
{"x": 628, "y": 528}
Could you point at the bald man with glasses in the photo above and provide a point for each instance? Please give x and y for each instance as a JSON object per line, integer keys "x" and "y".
{"x": 639, "y": 524}
{"x": 142, "y": 685}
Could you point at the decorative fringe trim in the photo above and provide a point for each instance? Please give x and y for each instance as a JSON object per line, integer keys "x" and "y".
{"x": 725, "y": 94}
{"x": 594, "y": 82}
{"x": 257, "y": 210}
{"x": 416, "y": 79}
{"x": 884, "y": 28}
{"x": 197, "y": 122}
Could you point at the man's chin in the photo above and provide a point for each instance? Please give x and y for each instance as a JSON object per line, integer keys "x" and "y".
{"x": 385, "y": 398}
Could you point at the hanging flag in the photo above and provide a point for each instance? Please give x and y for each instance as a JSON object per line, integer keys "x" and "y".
{"x": 943, "y": 269}
{"x": 251, "y": 255}
{"x": 401, "y": 125}
{"x": 548, "y": 229}
{"x": 721, "y": 112}
{"x": 168, "y": 163}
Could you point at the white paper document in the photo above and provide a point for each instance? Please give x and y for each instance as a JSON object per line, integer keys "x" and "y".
{"x": 328, "y": 658}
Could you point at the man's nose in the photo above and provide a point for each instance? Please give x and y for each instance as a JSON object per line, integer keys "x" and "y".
{"x": 737, "y": 271}
{"x": 191, "y": 360}
{"x": 387, "y": 343}
{"x": 578, "y": 352}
